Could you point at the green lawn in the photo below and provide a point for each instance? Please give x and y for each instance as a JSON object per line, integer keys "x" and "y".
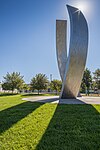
{"x": 28, "y": 126}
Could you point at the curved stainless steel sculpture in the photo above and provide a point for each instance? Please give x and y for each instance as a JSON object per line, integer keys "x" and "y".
{"x": 71, "y": 68}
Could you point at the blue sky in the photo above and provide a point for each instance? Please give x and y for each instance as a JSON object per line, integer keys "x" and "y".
{"x": 28, "y": 35}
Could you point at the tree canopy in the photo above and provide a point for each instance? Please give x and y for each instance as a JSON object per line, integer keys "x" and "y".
{"x": 86, "y": 81}
{"x": 97, "y": 78}
{"x": 39, "y": 82}
{"x": 56, "y": 85}
{"x": 13, "y": 81}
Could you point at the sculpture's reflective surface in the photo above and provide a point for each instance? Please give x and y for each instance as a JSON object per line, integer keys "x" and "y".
{"x": 72, "y": 67}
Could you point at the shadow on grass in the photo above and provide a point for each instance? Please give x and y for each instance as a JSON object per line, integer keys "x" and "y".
{"x": 72, "y": 127}
{"x": 8, "y": 94}
{"x": 34, "y": 94}
{"x": 31, "y": 94}
{"x": 10, "y": 116}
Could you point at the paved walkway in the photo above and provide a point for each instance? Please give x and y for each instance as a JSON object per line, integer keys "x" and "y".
{"x": 55, "y": 99}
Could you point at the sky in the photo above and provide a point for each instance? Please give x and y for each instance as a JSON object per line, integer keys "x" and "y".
{"x": 28, "y": 35}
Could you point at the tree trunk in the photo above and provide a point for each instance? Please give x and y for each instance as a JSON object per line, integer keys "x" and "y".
{"x": 88, "y": 91}
{"x": 56, "y": 92}
{"x": 38, "y": 92}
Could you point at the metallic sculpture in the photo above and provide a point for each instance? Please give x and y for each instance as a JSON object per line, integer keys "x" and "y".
{"x": 71, "y": 68}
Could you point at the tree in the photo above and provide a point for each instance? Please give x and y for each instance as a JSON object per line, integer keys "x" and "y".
{"x": 86, "y": 81}
{"x": 25, "y": 87}
{"x": 39, "y": 82}
{"x": 33, "y": 84}
{"x": 5, "y": 86}
{"x": 83, "y": 87}
{"x": 56, "y": 85}
{"x": 13, "y": 81}
{"x": 97, "y": 78}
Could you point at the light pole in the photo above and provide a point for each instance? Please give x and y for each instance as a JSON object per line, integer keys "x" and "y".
{"x": 50, "y": 77}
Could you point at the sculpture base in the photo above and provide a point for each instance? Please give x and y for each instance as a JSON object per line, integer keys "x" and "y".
{"x": 64, "y": 96}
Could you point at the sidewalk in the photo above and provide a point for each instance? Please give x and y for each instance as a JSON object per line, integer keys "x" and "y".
{"x": 55, "y": 99}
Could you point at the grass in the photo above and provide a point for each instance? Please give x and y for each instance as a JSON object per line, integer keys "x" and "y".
{"x": 42, "y": 94}
{"x": 7, "y": 94}
{"x": 35, "y": 94}
{"x": 91, "y": 95}
{"x": 29, "y": 126}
